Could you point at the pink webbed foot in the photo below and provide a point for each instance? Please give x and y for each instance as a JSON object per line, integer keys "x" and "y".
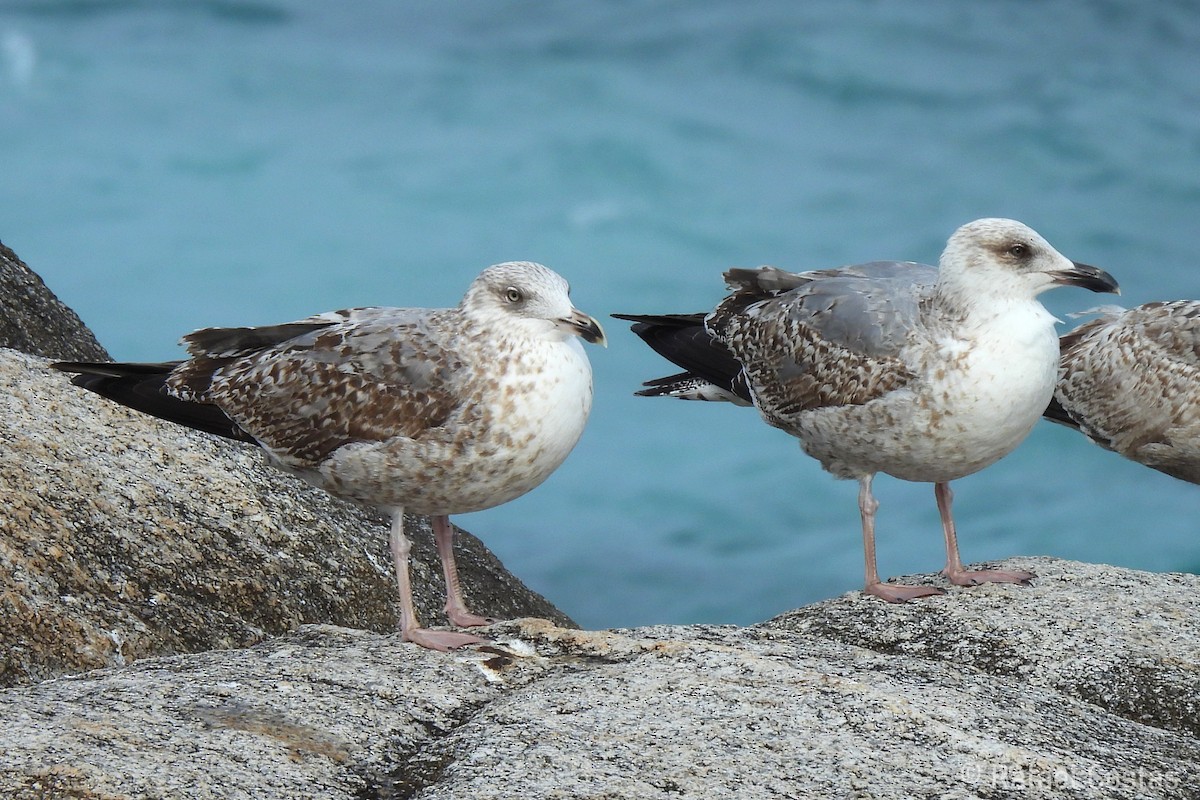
{"x": 443, "y": 641}
{"x": 966, "y": 577}
{"x": 465, "y": 619}
{"x": 899, "y": 593}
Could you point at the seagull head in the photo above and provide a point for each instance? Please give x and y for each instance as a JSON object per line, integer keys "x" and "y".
{"x": 1006, "y": 257}
{"x": 532, "y": 297}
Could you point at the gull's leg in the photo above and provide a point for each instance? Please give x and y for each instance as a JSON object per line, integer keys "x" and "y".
{"x": 893, "y": 593}
{"x": 410, "y": 626}
{"x": 456, "y": 608}
{"x": 954, "y": 569}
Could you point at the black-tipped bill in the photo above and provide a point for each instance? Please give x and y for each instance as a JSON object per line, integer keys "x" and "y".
{"x": 584, "y": 327}
{"x": 1088, "y": 277}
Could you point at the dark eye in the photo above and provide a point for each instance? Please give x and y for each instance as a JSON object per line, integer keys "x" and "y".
{"x": 513, "y": 295}
{"x": 1019, "y": 250}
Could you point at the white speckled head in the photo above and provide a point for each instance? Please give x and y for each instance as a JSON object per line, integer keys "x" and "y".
{"x": 1003, "y": 257}
{"x": 532, "y": 296}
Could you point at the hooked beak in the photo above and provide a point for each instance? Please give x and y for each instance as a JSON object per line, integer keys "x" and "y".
{"x": 1088, "y": 277}
{"x": 584, "y": 327}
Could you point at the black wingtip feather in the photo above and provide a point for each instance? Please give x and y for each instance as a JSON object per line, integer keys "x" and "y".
{"x": 142, "y": 387}
{"x": 1056, "y": 413}
{"x": 114, "y": 369}
{"x": 683, "y": 340}
{"x": 663, "y": 320}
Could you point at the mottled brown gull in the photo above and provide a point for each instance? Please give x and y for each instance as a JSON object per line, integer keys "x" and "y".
{"x": 1130, "y": 382}
{"x": 431, "y": 411}
{"x": 921, "y": 373}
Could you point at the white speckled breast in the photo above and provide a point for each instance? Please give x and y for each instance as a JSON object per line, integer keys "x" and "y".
{"x": 513, "y": 429}
{"x": 975, "y": 401}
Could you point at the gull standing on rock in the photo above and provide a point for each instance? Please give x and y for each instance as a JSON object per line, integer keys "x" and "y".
{"x": 431, "y": 411}
{"x": 921, "y": 373}
{"x": 1130, "y": 382}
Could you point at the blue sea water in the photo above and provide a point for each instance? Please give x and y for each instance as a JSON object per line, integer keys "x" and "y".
{"x": 167, "y": 166}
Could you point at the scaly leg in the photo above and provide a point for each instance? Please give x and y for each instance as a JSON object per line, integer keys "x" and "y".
{"x": 456, "y": 608}
{"x": 954, "y": 569}
{"x": 893, "y": 593}
{"x": 410, "y": 626}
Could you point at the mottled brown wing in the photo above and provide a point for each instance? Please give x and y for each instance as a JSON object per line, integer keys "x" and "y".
{"x": 1080, "y": 385}
{"x": 1173, "y": 327}
{"x": 820, "y": 339}
{"x": 791, "y": 368}
{"x": 1128, "y": 379}
{"x": 382, "y": 373}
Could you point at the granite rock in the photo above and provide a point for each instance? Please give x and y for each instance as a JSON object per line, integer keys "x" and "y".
{"x": 123, "y": 537}
{"x": 974, "y": 694}
{"x": 33, "y": 320}
{"x": 243, "y": 622}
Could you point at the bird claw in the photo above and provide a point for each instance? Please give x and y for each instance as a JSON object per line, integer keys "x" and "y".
{"x": 977, "y": 577}
{"x": 443, "y": 641}
{"x": 900, "y": 593}
{"x": 465, "y": 619}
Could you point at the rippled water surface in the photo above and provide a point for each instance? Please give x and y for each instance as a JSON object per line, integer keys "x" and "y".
{"x": 173, "y": 165}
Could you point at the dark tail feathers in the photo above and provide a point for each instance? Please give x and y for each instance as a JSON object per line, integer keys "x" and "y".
{"x": 683, "y": 340}
{"x": 142, "y": 387}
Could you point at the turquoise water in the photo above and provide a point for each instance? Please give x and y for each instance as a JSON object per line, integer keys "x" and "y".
{"x": 173, "y": 165}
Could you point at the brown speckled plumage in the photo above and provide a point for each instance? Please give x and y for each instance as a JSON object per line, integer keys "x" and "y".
{"x": 925, "y": 374}
{"x": 368, "y": 378}
{"x": 785, "y": 333}
{"x": 431, "y": 411}
{"x": 1130, "y": 381}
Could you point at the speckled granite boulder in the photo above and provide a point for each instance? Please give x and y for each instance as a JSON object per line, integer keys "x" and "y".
{"x": 123, "y": 537}
{"x": 1122, "y": 640}
{"x": 33, "y": 320}
{"x": 995, "y": 692}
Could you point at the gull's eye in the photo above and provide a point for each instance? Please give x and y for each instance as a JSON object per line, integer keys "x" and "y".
{"x": 513, "y": 295}
{"x": 1019, "y": 250}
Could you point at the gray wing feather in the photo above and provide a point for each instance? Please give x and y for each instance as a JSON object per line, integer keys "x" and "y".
{"x": 823, "y": 338}
{"x": 234, "y": 342}
{"x": 866, "y": 308}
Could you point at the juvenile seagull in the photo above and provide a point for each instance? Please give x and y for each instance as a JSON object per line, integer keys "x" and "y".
{"x": 925, "y": 374}
{"x": 1130, "y": 382}
{"x": 432, "y": 411}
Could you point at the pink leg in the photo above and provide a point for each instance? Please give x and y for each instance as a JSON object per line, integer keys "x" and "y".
{"x": 456, "y": 608}
{"x": 893, "y": 593}
{"x": 954, "y": 569}
{"x": 410, "y": 626}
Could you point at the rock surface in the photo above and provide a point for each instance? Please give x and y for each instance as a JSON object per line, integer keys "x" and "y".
{"x": 123, "y": 537}
{"x": 33, "y": 320}
{"x": 1081, "y": 686}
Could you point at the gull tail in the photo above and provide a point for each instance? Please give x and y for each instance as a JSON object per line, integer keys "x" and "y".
{"x": 686, "y": 386}
{"x": 142, "y": 387}
{"x": 711, "y": 371}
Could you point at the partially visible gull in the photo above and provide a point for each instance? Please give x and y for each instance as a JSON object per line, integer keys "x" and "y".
{"x": 921, "y": 373}
{"x": 433, "y": 411}
{"x": 1130, "y": 382}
